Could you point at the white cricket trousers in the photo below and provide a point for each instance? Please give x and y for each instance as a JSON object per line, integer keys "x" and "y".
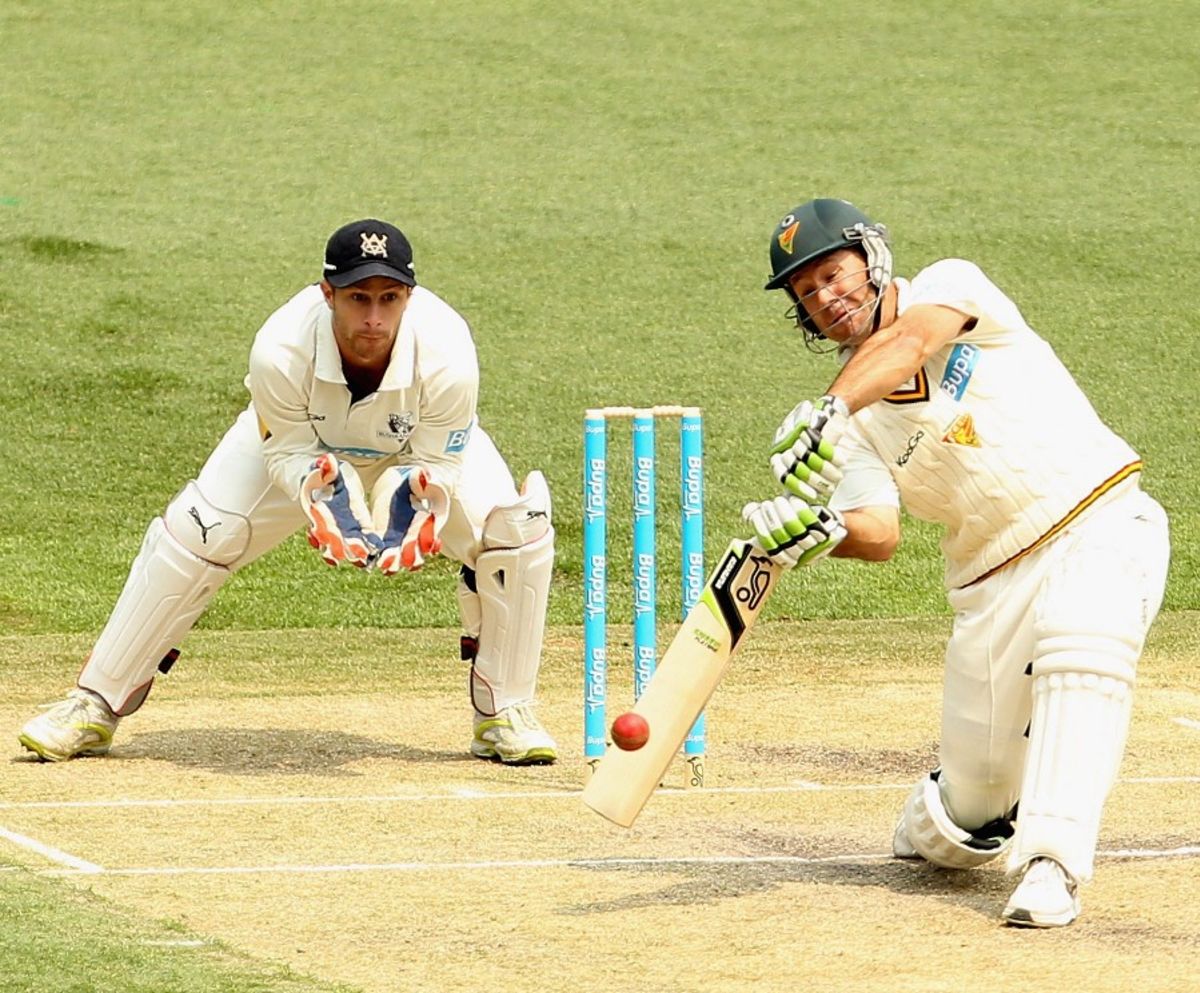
{"x": 1103, "y": 577}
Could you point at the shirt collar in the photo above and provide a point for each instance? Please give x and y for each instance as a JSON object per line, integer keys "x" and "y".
{"x": 328, "y": 360}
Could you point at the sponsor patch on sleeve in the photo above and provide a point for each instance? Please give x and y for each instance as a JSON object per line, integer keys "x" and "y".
{"x": 457, "y": 440}
{"x": 959, "y": 368}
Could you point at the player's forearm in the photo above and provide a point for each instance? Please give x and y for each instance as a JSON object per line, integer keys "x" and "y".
{"x": 871, "y": 536}
{"x": 879, "y": 367}
{"x": 894, "y": 355}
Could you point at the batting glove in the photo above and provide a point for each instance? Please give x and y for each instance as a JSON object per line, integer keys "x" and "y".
{"x": 804, "y": 457}
{"x": 339, "y": 526}
{"x": 410, "y": 511}
{"x": 794, "y": 532}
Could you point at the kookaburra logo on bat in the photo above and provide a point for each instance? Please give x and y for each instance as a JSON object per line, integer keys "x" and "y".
{"x": 756, "y": 586}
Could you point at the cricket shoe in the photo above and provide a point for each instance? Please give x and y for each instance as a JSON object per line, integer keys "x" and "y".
{"x": 82, "y": 724}
{"x": 514, "y": 736}
{"x": 902, "y": 848}
{"x": 1047, "y": 896}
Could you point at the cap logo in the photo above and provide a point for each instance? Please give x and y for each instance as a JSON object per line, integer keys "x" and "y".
{"x": 374, "y": 244}
{"x": 787, "y": 235}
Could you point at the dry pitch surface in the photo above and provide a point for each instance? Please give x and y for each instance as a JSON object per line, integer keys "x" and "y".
{"x": 333, "y": 822}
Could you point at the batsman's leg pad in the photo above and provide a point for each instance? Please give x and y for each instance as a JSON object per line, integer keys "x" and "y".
{"x": 186, "y": 556}
{"x": 1081, "y": 707}
{"x": 1091, "y": 622}
{"x": 932, "y": 834}
{"x": 512, "y": 586}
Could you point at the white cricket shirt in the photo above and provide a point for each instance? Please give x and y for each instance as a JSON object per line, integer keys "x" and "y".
{"x": 992, "y": 438}
{"x": 423, "y": 412}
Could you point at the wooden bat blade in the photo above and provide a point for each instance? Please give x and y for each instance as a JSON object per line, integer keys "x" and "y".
{"x": 684, "y": 681}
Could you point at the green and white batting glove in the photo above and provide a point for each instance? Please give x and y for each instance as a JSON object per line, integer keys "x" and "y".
{"x": 804, "y": 457}
{"x": 794, "y": 532}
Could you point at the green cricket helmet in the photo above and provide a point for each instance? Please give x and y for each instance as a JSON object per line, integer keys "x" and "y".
{"x": 817, "y": 228}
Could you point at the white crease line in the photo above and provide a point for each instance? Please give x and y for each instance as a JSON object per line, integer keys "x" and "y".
{"x": 1187, "y": 722}
{"x": 1150, "y": 853}
{"x": 52, "y": 853}
{"x": 595, "y": 863}
{"x": 468, "y": 793}
{"x": 500, "y": 865}
{"x": 176, "y": 943}
{"x": 256, "y": 801}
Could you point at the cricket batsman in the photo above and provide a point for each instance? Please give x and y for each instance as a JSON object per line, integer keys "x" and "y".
{"x": 950, "y": 405}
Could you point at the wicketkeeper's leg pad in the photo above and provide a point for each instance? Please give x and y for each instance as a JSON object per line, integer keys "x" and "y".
{"x": 934, "y": 836}
{"x": 1081, "y": 707}
{"x": 505, "y": 613}
{"x": 186, "y": 555}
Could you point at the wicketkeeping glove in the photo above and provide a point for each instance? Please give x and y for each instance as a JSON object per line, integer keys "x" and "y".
{"x": 409, "y": 511}
{"x": 339, "y": 526}
{"x": 793, "y": 532}
{"x": 804, "y": 457}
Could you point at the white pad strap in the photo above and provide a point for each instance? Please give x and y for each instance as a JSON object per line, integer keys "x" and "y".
{"x": 1081, "y": 709}
{"x": 512, "y": 582}
{"x": 937, "y": 839}
{"x": 185, "y": 558}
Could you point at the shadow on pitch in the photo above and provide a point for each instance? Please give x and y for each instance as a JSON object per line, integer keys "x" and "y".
{"x": 982, "y": 891}
{"x": 273, "y": 751}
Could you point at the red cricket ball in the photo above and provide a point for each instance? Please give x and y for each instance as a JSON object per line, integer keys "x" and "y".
{"x": 630, "y": 731}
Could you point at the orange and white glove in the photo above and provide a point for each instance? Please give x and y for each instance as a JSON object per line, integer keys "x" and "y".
{"x": 339, "y": 526}
{"x": 409, "y": 512}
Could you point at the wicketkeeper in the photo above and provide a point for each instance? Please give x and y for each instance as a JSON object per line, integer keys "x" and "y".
{"x": 949, "y": 404}
{"x": 361, "y": 429}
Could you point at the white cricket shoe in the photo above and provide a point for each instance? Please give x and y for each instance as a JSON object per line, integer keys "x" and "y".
{"x": 1047, "y": 896}
{"x": 82, "y": 724}
{"x": 514, "y": 736}
{"x": 901, "y": 847}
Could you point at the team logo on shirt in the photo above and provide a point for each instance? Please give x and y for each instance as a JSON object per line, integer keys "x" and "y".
{"x": 400, "y": 426}
{"x": 374, "y": 244}
{"x": 962, "y": 432}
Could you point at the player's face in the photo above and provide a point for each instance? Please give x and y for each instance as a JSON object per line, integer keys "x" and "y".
{"x": 838, "y": 295}
{"x": 366, "y": 319}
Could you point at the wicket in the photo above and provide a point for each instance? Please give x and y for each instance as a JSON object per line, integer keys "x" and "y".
{"x": 645, "y": 561}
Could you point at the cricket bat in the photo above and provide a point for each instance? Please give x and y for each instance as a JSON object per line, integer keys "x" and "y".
{"x": 684, "y": 681}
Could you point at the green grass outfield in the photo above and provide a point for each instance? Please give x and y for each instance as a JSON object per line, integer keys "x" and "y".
{"x": 593, "y": 187}
{"x": 71, "y": 941}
